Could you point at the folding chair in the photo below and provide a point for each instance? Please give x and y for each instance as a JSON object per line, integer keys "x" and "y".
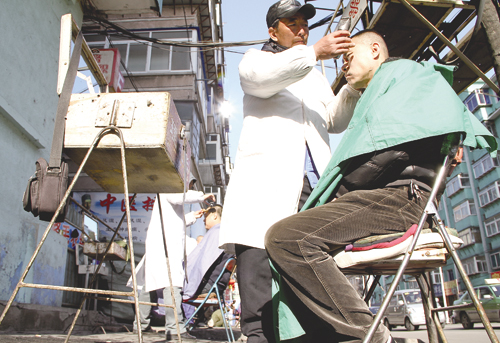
{"x": 230, "y": 265}
{"x": 418, "y": 262}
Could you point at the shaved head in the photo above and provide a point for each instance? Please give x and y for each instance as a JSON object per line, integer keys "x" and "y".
{"x": 362, "y": 61}
{"x": 369, "y": 37}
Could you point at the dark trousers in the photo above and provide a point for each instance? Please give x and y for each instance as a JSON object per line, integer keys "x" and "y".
{"x": 255, "y": 285}
{"x": 300, "y": 247}
{"x": 254, "y": 281}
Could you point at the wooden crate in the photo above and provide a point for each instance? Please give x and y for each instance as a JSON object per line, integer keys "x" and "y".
{"x": 96, "y": 251}
{"x": 155, "y": 154}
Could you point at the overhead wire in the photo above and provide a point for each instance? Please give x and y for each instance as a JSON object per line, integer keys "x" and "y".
{"x": 106, "y": 23}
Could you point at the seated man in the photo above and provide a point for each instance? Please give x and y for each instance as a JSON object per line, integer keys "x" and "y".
{"x": 377, "y": 182}
{"x": 205, "y": 262}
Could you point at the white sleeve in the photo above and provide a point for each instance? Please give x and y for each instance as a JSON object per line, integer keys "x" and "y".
{"x": 191, "y": 197}
{"x": 341, "y": 109}
{"x": 263, "y": 74}
{"x": 190, "y": 218}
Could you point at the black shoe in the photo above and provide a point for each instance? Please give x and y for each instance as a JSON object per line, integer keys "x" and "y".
{"x": 200, "y": 325}
{"x": 148, "y": 329}
{"x": 184, "y": 336}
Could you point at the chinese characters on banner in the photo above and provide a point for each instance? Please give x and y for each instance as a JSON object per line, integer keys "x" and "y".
{"x": 71, "y": 233}
{"x": 110, "y": 207}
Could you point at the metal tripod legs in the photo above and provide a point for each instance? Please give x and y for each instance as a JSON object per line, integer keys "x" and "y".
{"x": 108, "y": 130}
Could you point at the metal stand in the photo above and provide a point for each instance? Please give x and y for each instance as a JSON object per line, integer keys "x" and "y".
{"x": 108, "y": 130}
{"x": 434, "y": 326}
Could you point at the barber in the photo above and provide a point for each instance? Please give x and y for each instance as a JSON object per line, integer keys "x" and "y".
{"x": 289, "y": 109}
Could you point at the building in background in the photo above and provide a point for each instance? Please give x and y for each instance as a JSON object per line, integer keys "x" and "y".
{"x": 470, "y": 202}
{"x": 193, "y": 74}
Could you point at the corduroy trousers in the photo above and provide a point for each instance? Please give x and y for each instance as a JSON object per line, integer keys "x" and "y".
{"x": 301, "y": 248}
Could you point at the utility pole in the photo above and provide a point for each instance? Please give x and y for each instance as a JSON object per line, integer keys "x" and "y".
{"x": 491, "y": 24}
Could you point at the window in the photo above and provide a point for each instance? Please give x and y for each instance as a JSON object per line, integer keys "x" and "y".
{"x": 464, "y": 210}
{"x": 484, "y": 165}
{"x": 143, "y": 56}
{"x": 477, "y": 98}
{"x": 467, "y": 236}
{"x": 458, "y": 182}
{"x": 211, "y": 152}
{"x": 495, "y": 260}
{"x": 492, "y": 226}
{"x": 451, "y": 275}
{"x": 485, "y": 293}
{"x": 215, "y": 191}
{"x": 469, "y": 268}
{"x": 436, "y": 277}
{"x": 482, "y": 267}
{"x": 488, "y": 195}
{"x": 475, "y": 265}
{"x": 490, "y": 125}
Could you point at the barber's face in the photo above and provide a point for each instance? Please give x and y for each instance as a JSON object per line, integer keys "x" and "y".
{"x": 359, "y": 65}
{"x": 291, "y": 31}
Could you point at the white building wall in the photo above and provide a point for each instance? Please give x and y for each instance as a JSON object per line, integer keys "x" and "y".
{"x": 28, "y": 102}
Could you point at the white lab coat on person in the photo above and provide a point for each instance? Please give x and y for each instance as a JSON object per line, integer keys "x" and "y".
{"x": 287, "y": 104}
{"x": 151, "y": 272}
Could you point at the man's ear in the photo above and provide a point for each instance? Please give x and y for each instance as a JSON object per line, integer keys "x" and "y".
{"x": 376, "y": 50}
{"x": 272, "y": 34}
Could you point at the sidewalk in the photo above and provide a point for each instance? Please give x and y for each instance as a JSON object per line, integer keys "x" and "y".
{"x": 205, "y": 335}
{"x": 213, "y": 335}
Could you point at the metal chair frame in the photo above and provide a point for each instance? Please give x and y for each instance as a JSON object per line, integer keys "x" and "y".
{"x": 434, "y": 327}
{"x": 221, "y": 302}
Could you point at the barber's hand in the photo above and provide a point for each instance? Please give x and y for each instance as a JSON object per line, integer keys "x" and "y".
{"x": 198, "y": 214}
{"x": 333, "y": 45}
{"x": 208, "y": 198}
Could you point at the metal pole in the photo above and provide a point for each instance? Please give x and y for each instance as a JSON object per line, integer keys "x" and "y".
{"x": 168, "y": 269}
{"x": 102, "y": 133}
{"x": 445, "y": 302}
{"x": 445, "y": 40}
{"x": 465, "y": 278}
{"x": 328, "y": 29}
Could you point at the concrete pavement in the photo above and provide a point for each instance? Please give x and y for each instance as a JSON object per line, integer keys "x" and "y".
{"x": 214, "y": 335}
{"x": 28, "y": 323}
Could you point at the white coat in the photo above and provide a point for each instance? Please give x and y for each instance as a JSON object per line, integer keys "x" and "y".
{"x": 287, "y": 104}
{"x": 152, "y": 271}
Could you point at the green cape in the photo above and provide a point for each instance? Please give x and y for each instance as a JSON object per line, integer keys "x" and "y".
{"x": 405, "y": 101}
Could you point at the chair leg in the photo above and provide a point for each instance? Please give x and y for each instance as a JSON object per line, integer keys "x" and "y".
{"x": 372, "y": 288}
{"x": 434, "y": 328}
{"x": 227, "y": 326}
{"x": 477, "y": 304}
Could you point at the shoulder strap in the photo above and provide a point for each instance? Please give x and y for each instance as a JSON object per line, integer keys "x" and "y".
{"x": 63, "y": 104}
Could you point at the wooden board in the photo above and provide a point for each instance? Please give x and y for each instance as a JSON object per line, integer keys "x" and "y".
{"x": 421, "y": 261}
{"x": 97, "y": 250}
{"x": 155, "y": 154}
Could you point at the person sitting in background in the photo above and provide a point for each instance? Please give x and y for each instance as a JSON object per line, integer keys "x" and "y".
{"x": 205, "y": 263}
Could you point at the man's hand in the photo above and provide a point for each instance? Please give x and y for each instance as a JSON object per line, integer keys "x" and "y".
{"x": 209, "y": 198}
{"x": 198, "y": 214}
{"x": 333, "y": 45}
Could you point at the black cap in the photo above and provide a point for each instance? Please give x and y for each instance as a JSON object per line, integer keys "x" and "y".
{"x": 288, "y": 8}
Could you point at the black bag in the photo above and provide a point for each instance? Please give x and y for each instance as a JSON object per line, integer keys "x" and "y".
{"x": 46, "y": 189}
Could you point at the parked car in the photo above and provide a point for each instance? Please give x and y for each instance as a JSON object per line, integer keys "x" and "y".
{"x": 406, "y": 308}
{"x": 374, "y": 308}
{"x": 489, "y": 295}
